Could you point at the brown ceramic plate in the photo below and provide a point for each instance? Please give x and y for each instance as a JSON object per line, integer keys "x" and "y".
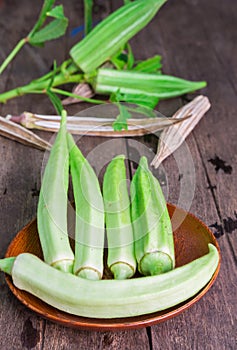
{"x": 191, "y": 241}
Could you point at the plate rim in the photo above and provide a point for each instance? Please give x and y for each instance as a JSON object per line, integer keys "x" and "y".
{"x": 134, "y": 322}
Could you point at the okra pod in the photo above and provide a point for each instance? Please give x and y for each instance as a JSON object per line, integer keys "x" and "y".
{"x": 52, "y": 205}
{"x": 121, "y": 257}
{"x": 110, "y": 298}
{"x": 109, "y": 81}
{"x": 154, "y": 244}
{"x": 89, "y": 230}
{"x": 113, "y": 32}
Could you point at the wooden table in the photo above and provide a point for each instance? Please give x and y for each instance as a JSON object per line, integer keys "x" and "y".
{"x": 197, "y": 40}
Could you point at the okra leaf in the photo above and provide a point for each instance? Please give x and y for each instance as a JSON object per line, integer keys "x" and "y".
{"x": 47, "y": 6}
{"x": 121, "y": 121}
{"x": 124, "y": 58}
{"x": 55, "y": 101}
{"x": 138, "y": 99}
{"x": 57, "y": 12}
{"x": 131, "y": 59}
{"x": 151, "y": 65}
{"x": 141, "y": 99}
{"x": 119, "y": 60}
{"x": 53, "y": 30}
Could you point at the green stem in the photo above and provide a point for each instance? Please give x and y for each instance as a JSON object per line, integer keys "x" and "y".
{"x": 6, "y": 265}
{"x": 38, "y": 86}
{"x": 70, "y": 94}
{"x": 13, "y": 53}
{"x": 88, "y": 5}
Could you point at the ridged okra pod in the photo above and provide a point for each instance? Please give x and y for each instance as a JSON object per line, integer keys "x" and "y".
{"x": 109, "y": 81}
{"x": 110, "y": 298}
{"x": 154, "y": 243}
{"x": 121, "y": 256}
{"x": 89, "y": 229}
{"x": 113, "y": 32}
{"x": 52, "y": 205}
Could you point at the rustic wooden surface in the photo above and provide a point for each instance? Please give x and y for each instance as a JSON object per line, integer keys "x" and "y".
{"x": 197, "y": 40}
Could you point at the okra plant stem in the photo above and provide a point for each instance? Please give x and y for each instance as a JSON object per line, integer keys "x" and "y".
{"x": 88, "y": 5}
{"x": 86, "y": 99}
{"x": 13, "y": 53}
{"x": 40, "y": 86}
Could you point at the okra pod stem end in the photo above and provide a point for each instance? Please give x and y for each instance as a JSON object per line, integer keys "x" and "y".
{"x": 122, "y": 270}
{"x": 6, "y": 265}
{"x": 155, "y": 263}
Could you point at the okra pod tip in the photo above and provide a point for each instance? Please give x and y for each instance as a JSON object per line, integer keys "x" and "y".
{"x": 6, "y": 265}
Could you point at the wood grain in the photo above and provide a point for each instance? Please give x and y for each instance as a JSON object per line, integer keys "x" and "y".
{"x": 197, "y": 41}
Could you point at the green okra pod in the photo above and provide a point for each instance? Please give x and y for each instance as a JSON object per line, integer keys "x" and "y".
{"x": 133, "y": 82}
{"x": 52, "y": 205}
{"x": 113, "y": 32}
{"x": 89, "y": 230}
{"x": 154, "y": 243}
{"x": 121, "y": 257}
{"x": 111, "y": 298}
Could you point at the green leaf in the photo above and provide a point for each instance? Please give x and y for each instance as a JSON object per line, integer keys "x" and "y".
{"x": 131, "y": 59}
{"x": 119, "y": 60}
{"x": 116, "y": 96}
{"x": 140, "y": 99}
{"x": 57, "y": 12}
{"x": 124, "y": 58}
{"x": 55, "y": 101}
{"x": 151, "y": 65}
{"x": 53, "y": 30}
{"x": 121, "y": 121}
{"x": 47, "y": 6}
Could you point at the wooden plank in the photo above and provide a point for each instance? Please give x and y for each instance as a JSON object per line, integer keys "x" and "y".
{"x": 20, "y": 179}
{"x": 64, "y": 338}
{"x": 203, "y": 326}
{"x": 220, "y": 162}
{"x": 221, "y": 117}
{"x": 194, "y": 328}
